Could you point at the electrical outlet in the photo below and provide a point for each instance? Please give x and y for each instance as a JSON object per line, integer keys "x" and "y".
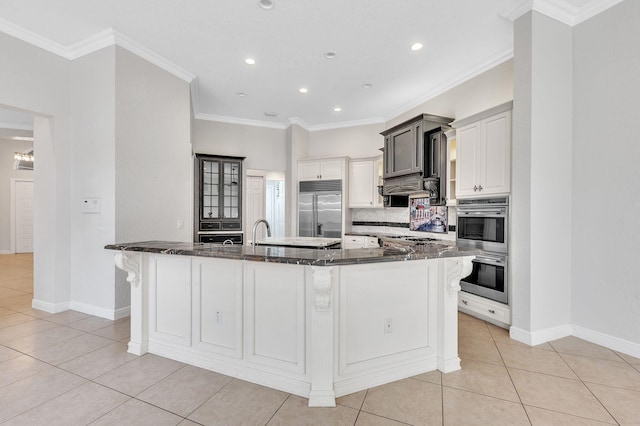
{"x": 388, "y": 326}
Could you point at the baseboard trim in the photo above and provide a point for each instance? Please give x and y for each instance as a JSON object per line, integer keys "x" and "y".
{"x": 611, "y": 342}
{"x": 602, "y": 339}
{"x": 52, "y": 308}
{"x": 533, "y": 338}
{"x": 100, "y": 312}
{"x": 6, "y": 252}
{"x": 122, "y": 313}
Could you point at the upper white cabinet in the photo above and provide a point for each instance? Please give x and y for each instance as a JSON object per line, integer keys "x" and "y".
{"x": 320, "y": 169}
{"x": 483, "y": 153}
{"x": 364, "y": 177}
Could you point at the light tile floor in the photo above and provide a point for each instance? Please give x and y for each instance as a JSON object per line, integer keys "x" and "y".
{"x": 73, "y": 369}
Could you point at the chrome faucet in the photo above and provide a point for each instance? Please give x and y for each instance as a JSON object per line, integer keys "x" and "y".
{"x": 255, "y": 226}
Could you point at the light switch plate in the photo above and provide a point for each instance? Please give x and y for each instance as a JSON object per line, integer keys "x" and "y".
{"x": 91, "y": 205}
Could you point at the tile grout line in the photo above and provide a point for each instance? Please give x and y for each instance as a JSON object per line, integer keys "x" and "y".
{"x": 515, "y": 388}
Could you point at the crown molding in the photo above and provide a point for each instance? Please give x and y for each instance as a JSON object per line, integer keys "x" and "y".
{"x": 105, "y": 38}
{"x": 346, "y": 124}
{"x": 298, "y": 121}
{"x": 242, "y": 121}
{"x": 560, "y": 10}
{"x": 32, "y": 38}
{"x": 495, "y": 60}
{"x": 149, "y": 55}
{"x": 98, "y": 41}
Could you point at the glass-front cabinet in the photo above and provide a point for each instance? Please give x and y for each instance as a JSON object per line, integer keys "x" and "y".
{"x": 218, "y": 201}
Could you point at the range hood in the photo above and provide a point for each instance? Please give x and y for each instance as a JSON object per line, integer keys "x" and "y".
{"x": 415, "y": 157}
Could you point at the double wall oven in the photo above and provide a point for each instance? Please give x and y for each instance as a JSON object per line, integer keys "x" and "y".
{"x": 484, "y": 224}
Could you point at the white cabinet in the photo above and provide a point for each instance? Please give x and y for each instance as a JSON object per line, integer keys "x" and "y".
{"x": 484, "y": 308}
{"x": 320, "y": 169}
{"x": 364, "y": 178}
{"x": 359, "y": 241}
{"x": 170, "y": 299}
{"x": 483, "y": 155}
{"x": 217, "y": 306}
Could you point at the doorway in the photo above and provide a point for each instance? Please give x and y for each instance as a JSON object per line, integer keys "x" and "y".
{"x": 22, "y": 215}
{"x": 255, "y": 205}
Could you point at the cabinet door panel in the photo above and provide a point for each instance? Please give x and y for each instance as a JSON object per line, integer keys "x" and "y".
{"x": 217, "y": 306}
{"x": 361, "y": 184}
{"x": 275, "y": 316}
{"x": 497, "y": 154}
{"x": 331, "y": 169}
{"x": 170, "y": 299}
{"x": 467, "y": 147}
{"x": 308, "y": 170}
{"x": 404, "y": 148}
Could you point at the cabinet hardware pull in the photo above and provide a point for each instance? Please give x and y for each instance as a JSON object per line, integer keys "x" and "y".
{"x": 491, "y": 311}
{"x": 480, "y": 188}
{"x": 475, "y": 188}
{"x": 465, "y": 302}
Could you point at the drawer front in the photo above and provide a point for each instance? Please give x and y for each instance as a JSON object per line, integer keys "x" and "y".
{"x": 486, "y": 308}
{"x": 353, "y": 241}
{"x": 232, "y": 226}
{"x": 220, "y": 238}
{"x": 209, "y": 226}
{"x": 371, "y": 242}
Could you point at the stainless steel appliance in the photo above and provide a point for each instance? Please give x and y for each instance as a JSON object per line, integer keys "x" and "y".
{"x": 320, "y": 209}
{"x": 484, "y": 224}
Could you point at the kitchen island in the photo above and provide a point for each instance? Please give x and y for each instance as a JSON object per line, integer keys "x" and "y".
{"x": 316, "y": 323}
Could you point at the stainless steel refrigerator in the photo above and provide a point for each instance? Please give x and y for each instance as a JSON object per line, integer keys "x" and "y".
{"x": 320, "y": 209}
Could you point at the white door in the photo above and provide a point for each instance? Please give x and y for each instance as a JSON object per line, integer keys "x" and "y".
{"x": 24, "y": 216}
{"x": 255, "y": 206}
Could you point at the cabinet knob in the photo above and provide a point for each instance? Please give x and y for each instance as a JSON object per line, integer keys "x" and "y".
{"x": 475, "y": 188}
{"x": 491, "y": 311}
{"x": 479, "y": 187}
{"x": 465, "y": 302}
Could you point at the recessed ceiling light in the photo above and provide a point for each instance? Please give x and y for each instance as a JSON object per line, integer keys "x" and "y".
{"x": 241, "y": 94}
{"x": 303, "y": 90}
{"x": 266, "y": 4}
{"x": 367, "y": 86}
{"x": 416, "y": 46}
{"x": 250, "y": 61}
{"x": 337, "y": 109}
{"x": 330, "y": 55}
{"x": 271, "y": 114}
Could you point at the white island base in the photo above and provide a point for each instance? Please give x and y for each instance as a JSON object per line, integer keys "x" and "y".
{"x": 319, "y": 332}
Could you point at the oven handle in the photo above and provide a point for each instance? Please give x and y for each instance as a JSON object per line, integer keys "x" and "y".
{"x": 489, "y": 260}
{"x": 481, "y": 213}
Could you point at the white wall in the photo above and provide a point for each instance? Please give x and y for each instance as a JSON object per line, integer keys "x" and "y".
{"x": 606, "y": 155}
{"x": 93, "y": 175}
{"x": 153, "y": 152}
{"x": 354, "y": 142}
{"x": 542, "y": 165}
{"x": 34, "y": 80}
{"x": 7, "y": 149}
{"x": 492, "y": 87}
{"x": 264, "y": 148}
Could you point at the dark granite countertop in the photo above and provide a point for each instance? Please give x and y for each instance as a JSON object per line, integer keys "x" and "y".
{"x": 299, "y": 256}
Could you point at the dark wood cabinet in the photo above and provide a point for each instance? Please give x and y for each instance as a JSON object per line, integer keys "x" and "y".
{"x": 404, "y": 144}
{"x": 218, "y": 198}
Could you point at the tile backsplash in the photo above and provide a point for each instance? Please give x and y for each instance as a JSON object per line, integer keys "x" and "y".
{"x": 395, "y": 221}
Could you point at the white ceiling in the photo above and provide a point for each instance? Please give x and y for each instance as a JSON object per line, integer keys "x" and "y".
{"x": 209, "y": 40}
